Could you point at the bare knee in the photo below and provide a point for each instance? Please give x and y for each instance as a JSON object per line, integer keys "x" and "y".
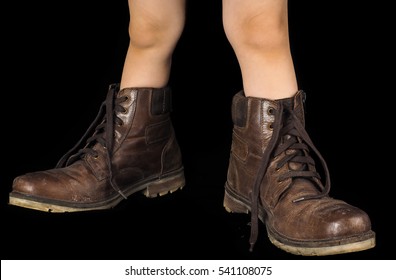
{"x": 263, "y": 29}
{"x": 152, "y": 31}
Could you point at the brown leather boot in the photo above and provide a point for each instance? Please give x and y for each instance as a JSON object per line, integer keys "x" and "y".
{"x": 130, "y": 147}
{"x": 272, "y": 174}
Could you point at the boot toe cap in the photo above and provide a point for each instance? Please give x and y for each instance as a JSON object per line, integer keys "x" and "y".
{"x": 346, "y": 221}
{"x": 38, "y": 184}
{"x": 26, "y": 184}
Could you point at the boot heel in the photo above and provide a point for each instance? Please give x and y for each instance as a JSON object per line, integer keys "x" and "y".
{"x": 165, "y": 185}
{"x": 234, "y": 206}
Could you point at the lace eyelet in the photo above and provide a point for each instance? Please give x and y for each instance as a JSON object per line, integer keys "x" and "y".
{"x": 270, "y": 126}
{"x": 270, "y": 110}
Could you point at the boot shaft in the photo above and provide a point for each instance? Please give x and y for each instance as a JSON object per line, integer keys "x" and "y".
{"x": 131, "y": 138}
{"x": 253, "y": 118}
{"x": 146, "y": 132}
{"x": 140, "y": 133}
{"x": 255, "y": 144}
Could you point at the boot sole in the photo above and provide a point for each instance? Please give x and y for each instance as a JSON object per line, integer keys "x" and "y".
{"x": 150, "y": 188}
{"x": 311, "y": 248}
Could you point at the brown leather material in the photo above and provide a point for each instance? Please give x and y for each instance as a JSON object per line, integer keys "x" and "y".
{"x": 133, "y": 148}
{"x": 290, "y": 196}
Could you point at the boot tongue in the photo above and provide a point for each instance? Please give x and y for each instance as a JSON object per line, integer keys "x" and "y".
{"x": 300, "y": 186}
{"x": 288, "y": 106}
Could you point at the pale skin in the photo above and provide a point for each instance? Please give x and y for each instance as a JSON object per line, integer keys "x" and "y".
{"x": 256, "y": 29}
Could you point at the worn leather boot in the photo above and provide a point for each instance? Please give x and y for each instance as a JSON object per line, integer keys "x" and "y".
{"x": 130, "y": 147}
{"x": 272, "y": 174}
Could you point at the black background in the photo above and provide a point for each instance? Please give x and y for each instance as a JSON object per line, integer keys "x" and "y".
{"x": 58, "y": 59}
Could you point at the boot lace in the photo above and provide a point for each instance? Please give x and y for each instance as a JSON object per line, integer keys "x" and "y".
{"x": 100, "y": 131}
{"x": 287, "y": 123}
